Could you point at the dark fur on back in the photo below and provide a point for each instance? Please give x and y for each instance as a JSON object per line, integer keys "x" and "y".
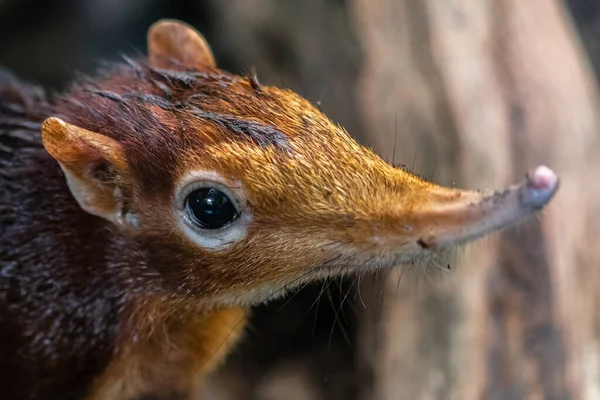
{"x": 51, "y": 317}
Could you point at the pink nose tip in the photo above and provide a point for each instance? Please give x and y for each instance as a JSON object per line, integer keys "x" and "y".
{"x": 541, "y": 185}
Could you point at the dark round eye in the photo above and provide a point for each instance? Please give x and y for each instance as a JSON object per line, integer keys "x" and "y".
{"x": 210, "y": 208}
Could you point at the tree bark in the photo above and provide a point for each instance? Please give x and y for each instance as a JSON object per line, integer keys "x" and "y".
{"x": 486, "y": 90}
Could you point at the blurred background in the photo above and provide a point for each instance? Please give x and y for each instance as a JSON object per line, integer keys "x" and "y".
{"x": 465, "y": 93}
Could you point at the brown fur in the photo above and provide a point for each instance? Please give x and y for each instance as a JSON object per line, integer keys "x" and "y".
{"x": 174, "y": 361}
{"x": 103, "y": 295}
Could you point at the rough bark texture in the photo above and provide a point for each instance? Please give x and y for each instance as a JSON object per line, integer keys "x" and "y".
{"x": 486, "y": 90}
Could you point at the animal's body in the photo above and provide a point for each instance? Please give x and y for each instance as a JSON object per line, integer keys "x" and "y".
{"x": 143, "y": 211}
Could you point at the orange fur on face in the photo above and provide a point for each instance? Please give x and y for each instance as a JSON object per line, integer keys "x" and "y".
{"x": 317, "y": 203}
{"x": 320, "y": 202}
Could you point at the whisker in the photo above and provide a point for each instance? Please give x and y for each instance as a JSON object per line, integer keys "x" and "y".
{"x": 414, "y": 163}
{"x": 336, "y": 320}
{"x": 321, "y": 98}
{"x": 298, "y": 290}
{"x": 224, "y": 340}
{"x": 359, "y": 284}
{"x": 318, "y": 302}
{"x": 426, "y": 274}
{"x": 433, "y": 171}
{"x": 395, "y": 139}
{"x": 348, "y": 290}
{"x": 439, "y": 266}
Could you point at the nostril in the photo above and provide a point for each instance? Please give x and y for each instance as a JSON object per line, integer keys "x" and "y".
{"x": 542, "y": 178}
{"x": 541, "y": 185}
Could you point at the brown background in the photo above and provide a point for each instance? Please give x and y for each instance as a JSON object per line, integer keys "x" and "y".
{"x": 469, "y": 93}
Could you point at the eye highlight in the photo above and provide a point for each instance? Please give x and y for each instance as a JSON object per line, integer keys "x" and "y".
{"x": 210, "y": 208}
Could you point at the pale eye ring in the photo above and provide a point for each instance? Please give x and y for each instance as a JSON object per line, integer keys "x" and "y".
{"x": 212, "y": 209}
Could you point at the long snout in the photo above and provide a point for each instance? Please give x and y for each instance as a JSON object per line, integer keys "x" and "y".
{"x": 454, "y": 216}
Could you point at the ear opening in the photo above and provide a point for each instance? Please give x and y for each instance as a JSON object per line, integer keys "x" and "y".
{"x": 93, "y": 165}
{"x": 175, "y": 41}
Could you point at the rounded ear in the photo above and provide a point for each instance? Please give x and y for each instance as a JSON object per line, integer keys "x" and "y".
{"x": 92, "y": 164}
{"x": 175, "y": 41}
